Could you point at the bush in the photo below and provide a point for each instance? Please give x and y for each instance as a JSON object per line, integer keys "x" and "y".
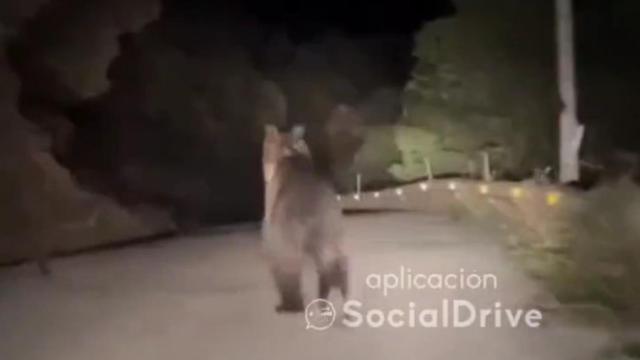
{"x": 605, "y": 245}
{"x": 586, "y": 247}
{"x": 416, "y": 146}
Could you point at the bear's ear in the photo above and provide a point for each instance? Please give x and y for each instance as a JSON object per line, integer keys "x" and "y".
{"x": 271, "y": 132}
{"x": 297, "y": 140}
{"x": 297, "y": 132}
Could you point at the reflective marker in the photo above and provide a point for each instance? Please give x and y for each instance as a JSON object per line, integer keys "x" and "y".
{"x": 553, "y": 198}
{"x": 516, "y": 192}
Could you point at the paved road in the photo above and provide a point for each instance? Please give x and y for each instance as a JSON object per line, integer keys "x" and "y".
{"x": 209, "y": 297}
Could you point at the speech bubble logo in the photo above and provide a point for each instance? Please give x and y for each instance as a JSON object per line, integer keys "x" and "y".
{"x": 320, "y": 314}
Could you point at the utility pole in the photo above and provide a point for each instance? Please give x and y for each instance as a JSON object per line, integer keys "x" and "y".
{"x": 571, "y": 131}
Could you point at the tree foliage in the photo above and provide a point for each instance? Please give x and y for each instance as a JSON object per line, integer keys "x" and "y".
{"x": 485, "y": 78}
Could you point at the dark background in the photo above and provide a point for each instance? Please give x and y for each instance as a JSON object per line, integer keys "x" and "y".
{"x": 161, "y": 112}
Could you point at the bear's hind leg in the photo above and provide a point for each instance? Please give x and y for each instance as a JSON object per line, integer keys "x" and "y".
{"x": 288, "y": 282}
{"x": 333, "y": 274}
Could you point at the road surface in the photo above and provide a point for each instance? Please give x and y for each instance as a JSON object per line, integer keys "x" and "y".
{"x": 210, "y": 297}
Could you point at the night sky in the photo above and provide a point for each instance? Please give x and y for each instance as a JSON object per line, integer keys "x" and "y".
{"x": 306, "y": 19}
